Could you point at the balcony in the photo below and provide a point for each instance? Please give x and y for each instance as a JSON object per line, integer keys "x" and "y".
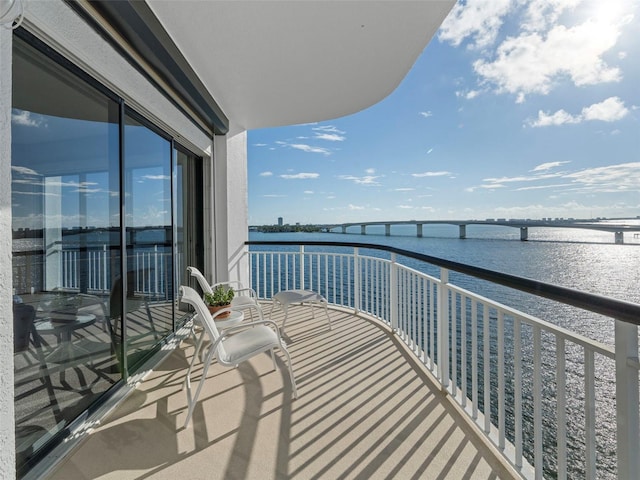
{"x": 366, "y": 409}
{"x": 417, "y": 378}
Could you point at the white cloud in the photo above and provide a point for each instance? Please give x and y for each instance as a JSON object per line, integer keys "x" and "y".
{"x": 355, "y": 207}
{"x": 432, "y": 174}
{"x": 274, "y": 195}
{"x": 558, "y": 118}
{"x": 547, "y": 166}
{"x": 329, "y": 129}
{"x": 405, "y": 207}
{"x": 156, "y": 177}
{"x": 534, "y": 62}
{"x": 309, "y": 148}
{"x": 370, "y": 171}
{"x": 328, "y": 133}
{"x": 404, "y": 189}
{"x": 478, "y": 19}
{"x": 26, "y": 119}
{"x": 541, "y": 13}
{"x": 300, "y": 176}
{"x": 429, "y": 151}
{"x": 618, "y": 177}
{"x": 426, "y": 114}
{"x": 522, "y": 178}
{"x": 607, "y": 179}
{"x": 259, "y": 144}
{"x": 266, "y": 174}
{"x": 23, "y": 170}
{"x": 367, "y": 180}
{"x": 331, "y": 137}
{"x": 308, "y": 192}
{"x": 543, "y": 187}
{"x": 608, "y": 110}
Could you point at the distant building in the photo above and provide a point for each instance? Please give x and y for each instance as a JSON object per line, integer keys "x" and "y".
{"x": 280, "y": 221}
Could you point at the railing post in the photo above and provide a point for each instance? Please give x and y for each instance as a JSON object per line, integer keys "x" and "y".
{"x": 155, "y": 270}
{"x": 302, "y": 267}
{"x": 627, "y": 403}
{"x": 104, "y": 286}
{"x": 393, "y": 292}
{"x": 443, "y": 328}
{"x": 356, "y": 280}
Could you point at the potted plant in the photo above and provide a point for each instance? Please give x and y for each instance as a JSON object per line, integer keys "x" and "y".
{"x": 218, "y": 299}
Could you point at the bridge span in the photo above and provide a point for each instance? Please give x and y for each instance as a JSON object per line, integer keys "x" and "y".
{"x": 618, "y": 229}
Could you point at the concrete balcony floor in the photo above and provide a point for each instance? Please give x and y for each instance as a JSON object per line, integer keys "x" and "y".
{"x": 365, "y": 409}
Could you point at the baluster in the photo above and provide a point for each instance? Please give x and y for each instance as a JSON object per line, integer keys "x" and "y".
{"x": 561, "y": 406}
{"x": 517, "y": 389}
{"x": 454, "y": 343}
{"x": 486, "y": 360}
{"x": 501, "y": 382}
{"x": 443, "y": 328}
{"x": 474, "y": 359}
{"x": 537, "y": 401}
{"x": 590, "y": 412}
{"x": 463, "y": 348}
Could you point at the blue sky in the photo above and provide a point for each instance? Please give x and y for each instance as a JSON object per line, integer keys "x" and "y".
{"x": 516, "y": 109}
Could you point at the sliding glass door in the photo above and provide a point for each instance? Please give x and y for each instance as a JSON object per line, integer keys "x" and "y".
{"x": 149, "y": 290}
{"x": 66, "y": 246}
{"x": 107, "y": 214}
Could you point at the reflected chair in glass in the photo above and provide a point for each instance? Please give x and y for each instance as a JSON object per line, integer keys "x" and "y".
{"x": 232, "y": 346}
{"x": 244, "y": 298}
{"x": 137, "y": 314}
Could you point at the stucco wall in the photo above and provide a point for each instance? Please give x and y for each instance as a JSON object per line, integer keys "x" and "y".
{"x": 230, "y": 213}
{"x": 7, "y": 439}
{"x": 237, "y": 206}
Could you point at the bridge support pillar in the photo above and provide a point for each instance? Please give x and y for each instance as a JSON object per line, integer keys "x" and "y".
{"x": 419, "y": 230}
{"x": 344, "y": 229}
{"x": 524, "y": 234}
{"x": 387, "y": 229}
{"x": 463, "y": 231}
{"x": 619, "y": 237}
{"x": 363, "y": 229}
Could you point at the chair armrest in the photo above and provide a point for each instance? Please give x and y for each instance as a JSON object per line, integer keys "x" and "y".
{"x": 252, "y": 292}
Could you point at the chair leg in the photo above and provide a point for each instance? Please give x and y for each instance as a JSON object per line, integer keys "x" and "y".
{"x": 326, "y": 312}
{"x": 191, "y": 401}
{"x": 273, "y": 359}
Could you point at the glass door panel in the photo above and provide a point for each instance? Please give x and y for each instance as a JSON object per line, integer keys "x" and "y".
{"x": 149, "y": 288}
{"x": 66, "y": 247}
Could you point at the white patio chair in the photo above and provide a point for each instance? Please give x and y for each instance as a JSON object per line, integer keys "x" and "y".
{"x": 244, "y": 298}
{"x": 231, "y": 348}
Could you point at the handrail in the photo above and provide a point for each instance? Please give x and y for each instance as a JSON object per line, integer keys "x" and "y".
{"x": 619, "y": 309}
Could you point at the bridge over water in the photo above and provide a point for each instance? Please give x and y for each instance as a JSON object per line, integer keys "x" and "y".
{"x": 618, "y": 229}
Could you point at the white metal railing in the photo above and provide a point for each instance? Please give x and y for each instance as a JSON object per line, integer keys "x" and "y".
{"x": 150, "y": 265}
{"x": 542, "y": 394}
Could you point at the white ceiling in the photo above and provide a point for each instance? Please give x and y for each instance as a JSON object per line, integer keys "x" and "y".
{"x": 274, "y": 63}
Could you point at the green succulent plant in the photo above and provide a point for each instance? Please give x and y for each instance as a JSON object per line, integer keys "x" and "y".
{"x": 221, "y": 295}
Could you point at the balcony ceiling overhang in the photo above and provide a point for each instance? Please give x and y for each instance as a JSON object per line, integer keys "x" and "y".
{"x": 274, "y": 63}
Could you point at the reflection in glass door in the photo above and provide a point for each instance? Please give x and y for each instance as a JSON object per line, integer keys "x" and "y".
{"x": 66, "y": 247}
{"x": 189, "y": 216}
{"x": 148, "y": 291}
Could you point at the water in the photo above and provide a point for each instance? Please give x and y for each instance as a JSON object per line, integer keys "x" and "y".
{"x": 579, "y": 259}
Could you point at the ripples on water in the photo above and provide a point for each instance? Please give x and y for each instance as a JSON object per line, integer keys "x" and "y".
{"x": 580, "y": 259}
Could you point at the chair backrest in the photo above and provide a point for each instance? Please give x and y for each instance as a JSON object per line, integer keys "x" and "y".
{"x": 235, "y": 284}
{"x": 190, "y": 296}
{"x": 204, "y": 285}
